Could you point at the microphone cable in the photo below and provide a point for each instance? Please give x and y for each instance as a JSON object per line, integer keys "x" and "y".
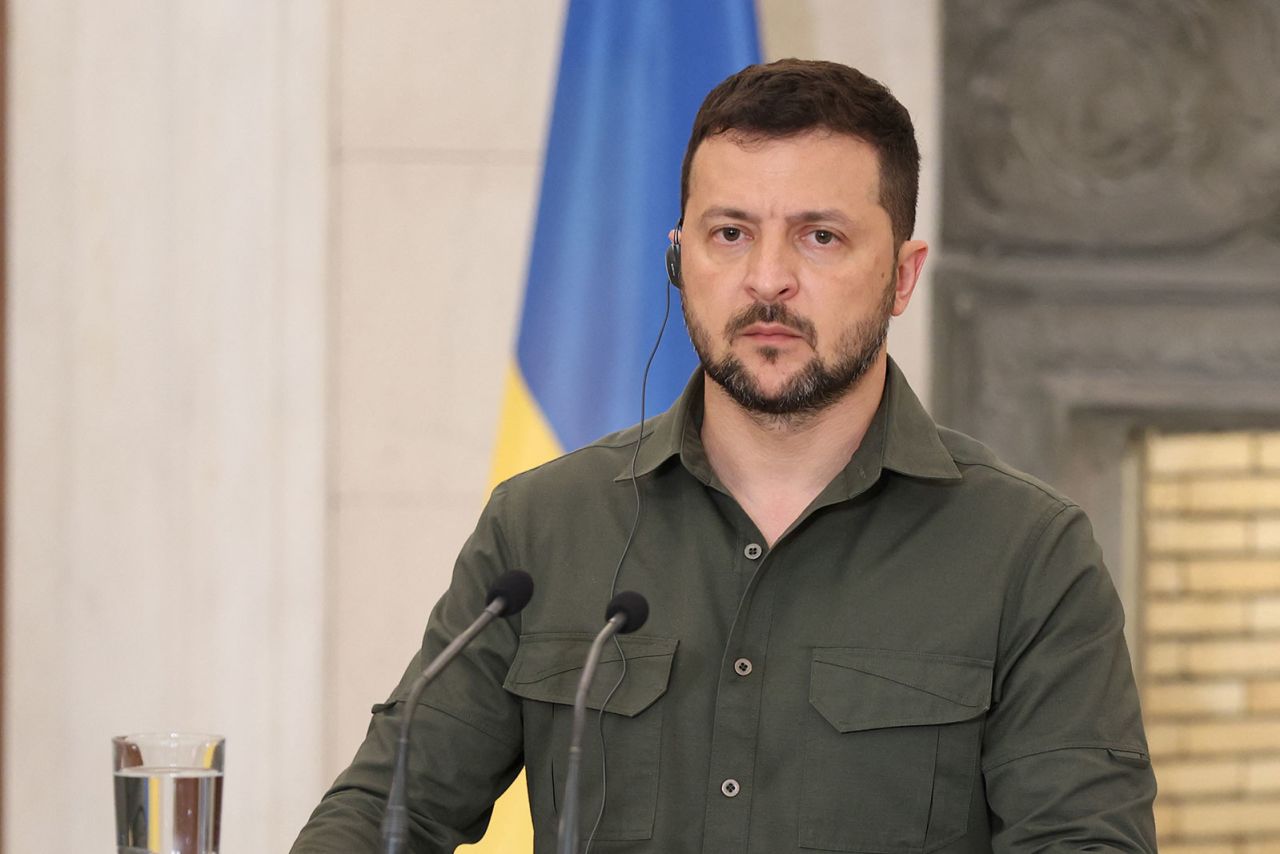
{"x": 626, "y": 548}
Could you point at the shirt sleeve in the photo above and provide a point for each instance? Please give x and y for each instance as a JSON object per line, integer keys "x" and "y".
{"x": 1065, "y": 759}
{"x": 465, "y": 746}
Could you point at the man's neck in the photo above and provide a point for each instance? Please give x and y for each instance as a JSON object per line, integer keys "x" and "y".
{"x": 775, "y": 466}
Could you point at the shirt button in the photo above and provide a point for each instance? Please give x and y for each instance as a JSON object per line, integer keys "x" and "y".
{"x": 753, "y": 551}
{"x": 730, "y": 788}
{"x": 742, "y": 667}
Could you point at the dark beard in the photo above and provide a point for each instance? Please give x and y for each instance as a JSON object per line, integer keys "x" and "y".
{"x": 817, "y": 385}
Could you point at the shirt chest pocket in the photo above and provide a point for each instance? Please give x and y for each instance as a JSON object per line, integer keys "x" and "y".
{"x": 891, "y": 749}
{"x": 545, "y": 675}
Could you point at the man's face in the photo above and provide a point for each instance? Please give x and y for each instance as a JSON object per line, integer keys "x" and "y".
{"x": 790, "y": 273}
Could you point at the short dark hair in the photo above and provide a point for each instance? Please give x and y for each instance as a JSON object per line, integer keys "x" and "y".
{"x": 792, "y": 96}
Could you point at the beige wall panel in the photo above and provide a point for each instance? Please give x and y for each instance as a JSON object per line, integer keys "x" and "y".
{"x": 166, "y": 403}
{"x": 443, "y": 109}
{"x": 461, "y": 75}
{"x": 394, "y": 559}
{"x": 426, "y": 312}
{"x": 427, "y": 299}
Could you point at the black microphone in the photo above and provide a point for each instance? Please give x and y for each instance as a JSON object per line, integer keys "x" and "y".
{"x": 508, "y": 595}
{"x": 627, "y": 612}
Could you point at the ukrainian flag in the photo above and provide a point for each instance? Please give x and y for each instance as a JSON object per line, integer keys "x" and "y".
{"x": 632, "y": 74}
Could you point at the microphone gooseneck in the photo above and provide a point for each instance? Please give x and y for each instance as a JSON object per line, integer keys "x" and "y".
{"x": 627, "y": 612}
{"x": 508, "y": 596}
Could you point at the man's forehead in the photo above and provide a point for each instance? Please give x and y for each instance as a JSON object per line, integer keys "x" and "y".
{"x": 846, "y": 159}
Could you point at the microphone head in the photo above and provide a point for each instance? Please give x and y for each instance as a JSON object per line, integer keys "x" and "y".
{"x": 632, "y": 606}
{"x": 515, "y": 588}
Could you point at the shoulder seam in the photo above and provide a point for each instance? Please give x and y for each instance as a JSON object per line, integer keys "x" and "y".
{"x": 1014, "y": 474}
{"x": 564, "y": 456}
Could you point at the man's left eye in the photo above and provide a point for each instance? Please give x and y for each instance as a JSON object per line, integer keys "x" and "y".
{"x": 824, "y": 237}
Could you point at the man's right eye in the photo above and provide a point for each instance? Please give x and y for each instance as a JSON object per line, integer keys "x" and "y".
{"x": 730, "y": 234}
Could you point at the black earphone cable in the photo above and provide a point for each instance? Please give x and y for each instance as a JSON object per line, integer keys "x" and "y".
{"x": 613, "y": 587}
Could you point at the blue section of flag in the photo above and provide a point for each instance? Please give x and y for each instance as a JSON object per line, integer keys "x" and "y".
{"x": 632, "y": 74}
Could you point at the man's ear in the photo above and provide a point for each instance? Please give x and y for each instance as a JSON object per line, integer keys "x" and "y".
{"x": 910, "y": 262}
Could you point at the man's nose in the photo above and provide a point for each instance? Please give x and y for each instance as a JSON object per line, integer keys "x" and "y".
{"x": 771, "y": 270}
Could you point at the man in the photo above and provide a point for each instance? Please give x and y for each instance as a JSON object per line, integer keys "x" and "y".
{"x": 866, "y": 633}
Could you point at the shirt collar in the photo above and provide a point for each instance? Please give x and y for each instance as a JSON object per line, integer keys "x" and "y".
{"x": 663, "y": 436}
{"x": 901, "y": 437}
{"x": 912, "y": 445}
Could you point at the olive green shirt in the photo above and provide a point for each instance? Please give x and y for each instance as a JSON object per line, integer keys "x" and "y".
{"x": 931, "y": 658}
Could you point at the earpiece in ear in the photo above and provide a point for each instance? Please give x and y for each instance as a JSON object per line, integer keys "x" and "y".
{"x": 673, "y": 260}
{"x": 673, "y": 265}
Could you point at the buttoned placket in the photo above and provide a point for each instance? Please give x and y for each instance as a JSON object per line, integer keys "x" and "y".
{"x": 739, "y": 694}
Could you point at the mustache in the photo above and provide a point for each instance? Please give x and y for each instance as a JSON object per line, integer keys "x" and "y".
{"x": 778, "y": 313}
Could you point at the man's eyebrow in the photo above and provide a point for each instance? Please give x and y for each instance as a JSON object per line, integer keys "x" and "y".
{"x": 724, "y": 212}
{"x": 834, "y": 215}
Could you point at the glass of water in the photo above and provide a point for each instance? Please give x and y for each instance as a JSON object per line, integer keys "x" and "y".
{"x": 168, "y": 792}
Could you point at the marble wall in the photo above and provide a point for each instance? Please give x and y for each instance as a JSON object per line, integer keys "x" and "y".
{"x": 166, "y": 388}
{"x": 440, "y": 111}
{"x": 266, "y": 264}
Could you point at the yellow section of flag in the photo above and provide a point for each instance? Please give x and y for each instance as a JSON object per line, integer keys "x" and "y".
{"x": 511, "y": 828}
{"x": 525, "y": 439}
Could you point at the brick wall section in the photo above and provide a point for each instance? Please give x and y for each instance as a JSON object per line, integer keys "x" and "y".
{"x": 1211, "y": 639}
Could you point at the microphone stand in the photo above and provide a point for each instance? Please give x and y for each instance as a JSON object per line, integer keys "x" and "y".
{"x": 569, "y": 817}
{"x": 508, "y": 596}
{"x": 627, "y": 612}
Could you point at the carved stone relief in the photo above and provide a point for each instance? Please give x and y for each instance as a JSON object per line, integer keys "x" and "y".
{"x": 1111, "y": 126}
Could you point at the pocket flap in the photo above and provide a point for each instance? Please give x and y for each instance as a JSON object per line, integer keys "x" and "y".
{"x": 547, "y": 668}
{"x": 857, "y": 689}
